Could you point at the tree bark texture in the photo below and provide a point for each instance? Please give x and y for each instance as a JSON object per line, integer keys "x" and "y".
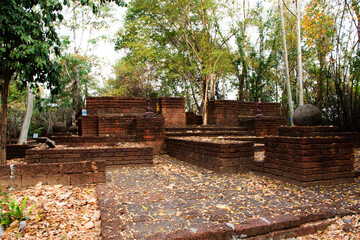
{"x": 27, "y": 119}
{"x": 4, "y": 96}
{"x": 288, "y": 87}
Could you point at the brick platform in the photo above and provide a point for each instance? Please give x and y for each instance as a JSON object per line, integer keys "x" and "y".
{"x": 72, "y": 173}
{"x": 114, "y": 156}
{"x": 220, "y": 156}
{"x": 312, "y": 158}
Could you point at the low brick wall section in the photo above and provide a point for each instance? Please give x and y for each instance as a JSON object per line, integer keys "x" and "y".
{"x": 267, "y": 109}
{"x": 221, "y": 157}
{"x": 114, "y": 156}
{"x": 72, "y": 173}
{"x": 305, "y": 131}
{"x": 309, "y": 161}
{"x": 268, "y": 126}
{"x": 16, "y": 150}
{"x": 81, "y": 141}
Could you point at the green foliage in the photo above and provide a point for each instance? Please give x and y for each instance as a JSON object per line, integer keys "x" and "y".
{"x": 179, "y": 44}
{"x": 11, "y": 210}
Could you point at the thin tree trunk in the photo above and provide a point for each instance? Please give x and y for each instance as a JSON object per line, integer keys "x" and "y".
{"x": 299, "y": 53}
{"x": 205, "y": 107}
{"x": 4, "y": 116}
{"x": 288, "y": 88}
{"x": 75, "y": 106}
{"x": 27, "y": 119}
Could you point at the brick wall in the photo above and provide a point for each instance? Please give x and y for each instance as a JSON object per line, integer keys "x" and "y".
{"x": 116, "y": 105}
{"x": 77, "y": 141}
{"x": 268, "y": 126}
{"x": 116, "y": 126}
{"x": 71, "y": 173}
{"x": 114, "y": 156}
{"x": 223, "y": 112}
{"x": 309, "y": 161}
{"x": 221, "y": 157}
{"x": 151, "y": 131}
{"x": 306, "y": 131}
{"x": 173, "y": 111}
{"x": 89, "y": 126}
{"x": 267, "y": 109}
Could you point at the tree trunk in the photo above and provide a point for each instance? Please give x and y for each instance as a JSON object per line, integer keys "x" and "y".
{"x": 3, "y": 127}
{"x": 75, "y": 106}
{"x": 288, "y": 87}
{"x": 205, "y": 106}
{"x": 299, "y": 53}
{"x": 27, "y": 119}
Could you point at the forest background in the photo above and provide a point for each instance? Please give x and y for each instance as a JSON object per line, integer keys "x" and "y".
{"x": 201, "y": 50}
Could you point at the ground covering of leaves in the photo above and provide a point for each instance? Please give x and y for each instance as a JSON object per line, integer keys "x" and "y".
{"x": 175, "y": 195}
{"x": 172, "y": 195}
{"x": 60, "y": 212}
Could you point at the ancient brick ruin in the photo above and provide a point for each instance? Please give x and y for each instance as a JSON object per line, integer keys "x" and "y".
{"x": 307, "y": 156}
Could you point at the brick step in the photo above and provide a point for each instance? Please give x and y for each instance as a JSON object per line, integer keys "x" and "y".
{"x": 205, "y": 129}
{"x": 209, "y": 134}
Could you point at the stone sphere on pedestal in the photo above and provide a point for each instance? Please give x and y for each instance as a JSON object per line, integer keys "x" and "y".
{"x": 59, "y": 127}
{"x": 307, "y": 115}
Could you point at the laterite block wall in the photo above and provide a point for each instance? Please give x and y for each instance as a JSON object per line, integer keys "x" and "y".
{"x": 221, "y": 157}
{"x": 267, "y": 109}
{"x": 113, "y": 156}
{"x": 309, "y": 159}
{"x": 72, "y": 173}
{"x": 268, "y": 126}
{"x": 151, "y": 132}
{"x": 173, "y": 111}
{"x": 223, "y": 112}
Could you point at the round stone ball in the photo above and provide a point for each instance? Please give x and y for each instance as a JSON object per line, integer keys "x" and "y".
{"x": 73, "y": 129}
{"x": 307, "y": 115}
{"x": 59, "y": 127}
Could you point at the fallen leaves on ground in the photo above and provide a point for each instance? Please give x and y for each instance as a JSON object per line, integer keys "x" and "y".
{"x": 173, "y": 195}
{"x": 346, "y": 228}
{"x": 60, "y": 212}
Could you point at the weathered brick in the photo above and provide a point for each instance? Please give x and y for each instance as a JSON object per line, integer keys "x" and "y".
{"x": 82, "y": 179}
{"x": 72, "y": 167}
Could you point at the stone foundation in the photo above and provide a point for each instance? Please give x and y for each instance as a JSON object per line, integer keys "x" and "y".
{"x": 113, "y": 156}
{"x": 220, "y": 156}
{"x": 72, "y": 173}
{"x": 309, "y": 156}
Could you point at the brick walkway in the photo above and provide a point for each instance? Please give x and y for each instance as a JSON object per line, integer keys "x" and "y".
{"x": 173, "y": 197}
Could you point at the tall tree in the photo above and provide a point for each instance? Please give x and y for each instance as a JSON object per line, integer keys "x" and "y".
{"x": 288, "y": 86}
{"x": 299, "y": 52}
{"x": 186, "y": 36}
{"x": 27, "y": 39}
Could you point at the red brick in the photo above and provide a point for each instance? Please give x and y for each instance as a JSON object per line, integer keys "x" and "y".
{"x": 32, "y": 180}
{"x": 71, "y": 167}
{"x": 4, "y": 170}
{"x": 99, "y": 177}
{"x": 252, "y": 227}
{"x": 58, "y": 179}
{"x": 284, "y": 221}
{"x": 81, "y": 179}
